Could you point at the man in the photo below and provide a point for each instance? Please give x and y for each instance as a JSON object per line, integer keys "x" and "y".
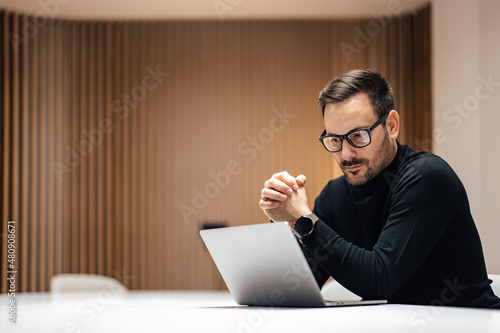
{"x": 397, "y": 225}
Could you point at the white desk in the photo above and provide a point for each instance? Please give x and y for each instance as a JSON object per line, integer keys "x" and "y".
{"x": 170, "y": 311}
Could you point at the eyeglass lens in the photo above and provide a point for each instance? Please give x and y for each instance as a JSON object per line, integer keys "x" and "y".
{"x": 357, "y": 139}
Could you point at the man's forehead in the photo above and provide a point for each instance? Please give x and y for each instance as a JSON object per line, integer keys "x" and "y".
{"x": 350, "y": 114}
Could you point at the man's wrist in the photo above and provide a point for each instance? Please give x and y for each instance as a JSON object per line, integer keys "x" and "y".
{"x": 300, "y": 214}
{"x": 304, "y": 226}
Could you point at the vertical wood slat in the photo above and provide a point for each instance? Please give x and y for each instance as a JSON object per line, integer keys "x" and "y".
{"x": 109, "y": 170}
{"x": 95, "y": 143}
{"x": 158, "y": 193}
{"x": 119, "y": 89}
{"x": 123, "y": 150}
{"x": 67, "y": 178}
{"x": 130, "y": 274}
{"x": 422, "y": 70}
{"x": 140, "y": 270}
{"x": 56, "y": 169}
{"x": 154, "y": 144}
{"x": 76, "y": 112}
{"x": 42, "y": 149}
{"x": 101, "y": 105}
{"x": 113, "y": 208}
{"x": 23, "y": 236}
{"x": 408, "y": 47}
{"x": 50, "y": 186}
{"x": 34, "y": 166}
{"x": 7, "y": 146}
{"x": 81, "y": 73}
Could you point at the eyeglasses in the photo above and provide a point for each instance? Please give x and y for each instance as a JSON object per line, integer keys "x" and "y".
{"x": 358, "y": 138}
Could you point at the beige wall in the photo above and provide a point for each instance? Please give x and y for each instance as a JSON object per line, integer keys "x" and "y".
{"x": 466, "y": 108}
{"x": 489, "y": 55}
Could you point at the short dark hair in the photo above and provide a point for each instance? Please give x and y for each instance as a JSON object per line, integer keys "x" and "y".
{"x": 359, "y": 81}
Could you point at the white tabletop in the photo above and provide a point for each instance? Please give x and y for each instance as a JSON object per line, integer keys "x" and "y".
{"x": 175, "y": 311}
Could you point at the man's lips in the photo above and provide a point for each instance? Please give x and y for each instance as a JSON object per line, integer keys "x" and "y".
{"x": 353, "y": 168}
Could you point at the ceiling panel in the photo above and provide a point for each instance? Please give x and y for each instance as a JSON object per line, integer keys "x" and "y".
{"x": 211, "y": 9}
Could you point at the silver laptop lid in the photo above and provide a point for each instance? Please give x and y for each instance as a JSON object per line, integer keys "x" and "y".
{"x": 263, "y": 265}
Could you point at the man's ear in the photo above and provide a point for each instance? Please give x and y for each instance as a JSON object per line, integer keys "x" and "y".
{"x": 392, "y": 123}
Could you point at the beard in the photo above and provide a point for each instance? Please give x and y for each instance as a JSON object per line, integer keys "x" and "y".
{"x": 373, "y": 168}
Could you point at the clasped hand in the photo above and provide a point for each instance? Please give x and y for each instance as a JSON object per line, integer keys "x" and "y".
{"x": 283, "y": 198}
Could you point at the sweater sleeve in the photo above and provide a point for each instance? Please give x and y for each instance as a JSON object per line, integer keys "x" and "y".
{"x": 426, "y": 196}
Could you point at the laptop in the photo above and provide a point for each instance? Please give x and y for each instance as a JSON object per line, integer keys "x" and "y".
{"x": 263, "y": 265}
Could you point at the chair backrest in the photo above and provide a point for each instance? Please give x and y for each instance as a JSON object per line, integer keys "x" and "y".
{"x": 495, "y": 285}
{"x": 332, "y": 290}
{"x": 85, "y": 283}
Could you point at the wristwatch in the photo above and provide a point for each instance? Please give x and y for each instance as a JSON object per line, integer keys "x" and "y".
{"x": 304, "y": 226}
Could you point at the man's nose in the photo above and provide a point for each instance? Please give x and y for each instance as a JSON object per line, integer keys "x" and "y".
{"x": 348, "y": 151}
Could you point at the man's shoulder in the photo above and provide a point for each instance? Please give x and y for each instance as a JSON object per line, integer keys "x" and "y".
{"x": 425, "y": 166}
{"x": 422, "y": 161}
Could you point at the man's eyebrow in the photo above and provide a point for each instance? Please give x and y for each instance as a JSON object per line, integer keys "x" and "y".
{"x": 354, "y": 129}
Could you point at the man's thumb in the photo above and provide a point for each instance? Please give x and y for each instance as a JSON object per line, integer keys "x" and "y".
{"x": 301, "y": 180}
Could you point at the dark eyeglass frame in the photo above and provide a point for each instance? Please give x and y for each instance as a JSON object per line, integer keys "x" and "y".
{"x": 346, "y": 136}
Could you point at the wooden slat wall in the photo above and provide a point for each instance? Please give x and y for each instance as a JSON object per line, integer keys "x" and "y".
{"x": 109, "y": 169}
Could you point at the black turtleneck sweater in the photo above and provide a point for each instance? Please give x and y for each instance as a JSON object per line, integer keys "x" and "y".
{"x": 406, "y": 236}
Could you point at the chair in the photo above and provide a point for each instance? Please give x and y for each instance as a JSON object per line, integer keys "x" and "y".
{"x": 333, "y": 290}
{"x": 495, "y": 285}
{"x": 62, "y": 283}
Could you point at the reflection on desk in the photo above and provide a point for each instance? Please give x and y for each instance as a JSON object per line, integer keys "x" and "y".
{"x": 177, "y": 311}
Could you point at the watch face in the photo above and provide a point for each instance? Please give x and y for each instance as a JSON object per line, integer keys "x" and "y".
{"x": 304, "y": 226}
